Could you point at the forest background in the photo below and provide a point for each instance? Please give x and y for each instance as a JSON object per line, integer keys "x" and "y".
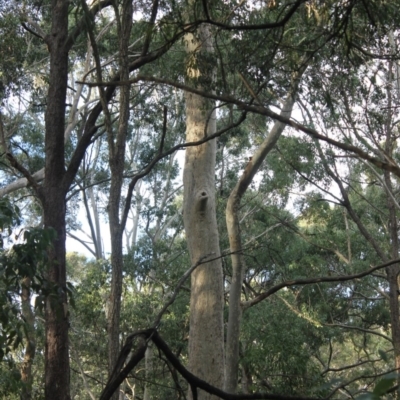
{"x": 263, "y": 266}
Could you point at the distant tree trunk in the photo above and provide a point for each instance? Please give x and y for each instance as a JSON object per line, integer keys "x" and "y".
{"x": 149, "y": 371}
{"x": 392, "y": 273}
{"x": 206, "y": 337}
{"x": 235, "y": 241}
{"x": 54, "y": 208}
{"x": 30, "y": 347}
{"x": 95, "y": 228}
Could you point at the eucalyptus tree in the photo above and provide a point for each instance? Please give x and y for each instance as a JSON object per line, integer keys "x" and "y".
{"x": 340, "y": 29}
{"x": 206, "y": 337}
{"x": 59, "y": 25}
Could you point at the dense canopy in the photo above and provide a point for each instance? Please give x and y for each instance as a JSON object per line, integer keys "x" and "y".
{"x": 199, "y": 199}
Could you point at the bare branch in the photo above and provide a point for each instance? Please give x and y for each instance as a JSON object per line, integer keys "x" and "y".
{"x": 14, "y": 162}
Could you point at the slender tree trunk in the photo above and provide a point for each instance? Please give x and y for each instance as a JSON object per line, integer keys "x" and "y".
{"x": 206, "y": 337}
{"x": 30, "y": 347}
{"x": 393, "y": 271}
{"x": 96, "y": 235}
{"x": 54, "y": 209}
{"x": 235, "y": 241}
{"x": 117, "y": 160}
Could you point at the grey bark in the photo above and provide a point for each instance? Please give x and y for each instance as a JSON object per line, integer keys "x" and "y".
{"x": 235, "y": 241}
{"x": 116, "y": 159}
{"x": 206, "y": 336}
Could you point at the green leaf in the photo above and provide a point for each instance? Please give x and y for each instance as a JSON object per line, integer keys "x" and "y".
{"x": 384, "y": 385}
{"x": 383, "y": 355}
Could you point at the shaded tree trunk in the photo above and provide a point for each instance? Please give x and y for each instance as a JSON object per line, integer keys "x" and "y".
{"x": 54, "y": 209}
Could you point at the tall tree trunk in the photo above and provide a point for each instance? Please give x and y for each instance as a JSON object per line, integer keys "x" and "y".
{"x": 54, "y": 208}
{"x": 206, "y": 337}
{"x": 117, "y": 160}
{"x": 235, "y": 241}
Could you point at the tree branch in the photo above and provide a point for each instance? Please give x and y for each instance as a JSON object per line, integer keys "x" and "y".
{"x": 193, "y": 381}
{"x": 310, "y": 281}
{"x": 203, "y": 260}
{"x": 261, "y": 110}
{"x": 271, "y": 25}
{"x": 358, "y": 328}
{"x": 14, "y": 162}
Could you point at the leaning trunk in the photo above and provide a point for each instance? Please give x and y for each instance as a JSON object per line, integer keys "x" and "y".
{"x": 206, "y": 337}
{"x": 235, "y": 241}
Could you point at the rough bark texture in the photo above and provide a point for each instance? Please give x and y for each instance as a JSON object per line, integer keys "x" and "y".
{"x": 54, "y": 208}
{"x": 206, "y": 337}
{"x": 235, "y": 241}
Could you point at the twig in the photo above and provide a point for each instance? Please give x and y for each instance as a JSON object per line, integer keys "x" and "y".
{"x": 178, "y": 286}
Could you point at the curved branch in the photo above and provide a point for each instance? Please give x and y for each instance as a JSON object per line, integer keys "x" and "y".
{"x": 119, "y": 373}
{"x": 270, "y": 25}
{"x": 310, "y": 281}
{"x": 358, "y": 328}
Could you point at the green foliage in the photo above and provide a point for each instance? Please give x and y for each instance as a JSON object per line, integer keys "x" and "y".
{"x": 21, "y": 260}
{"x": 382, "y": 388}
{"x": 304, "y": 340}
{"x": 12, "y": 53}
